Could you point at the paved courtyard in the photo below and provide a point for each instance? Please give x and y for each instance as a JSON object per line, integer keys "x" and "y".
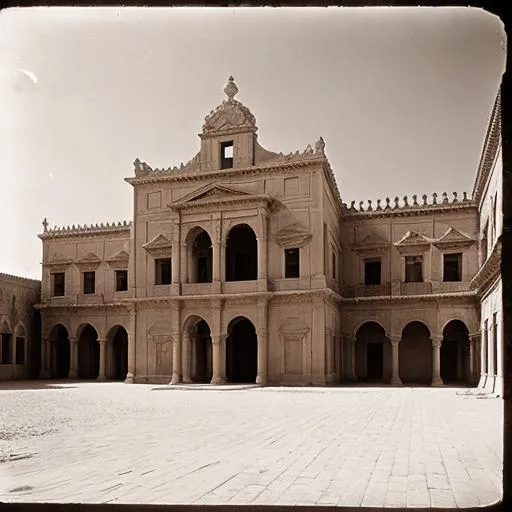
{"x": 110, "y": 442}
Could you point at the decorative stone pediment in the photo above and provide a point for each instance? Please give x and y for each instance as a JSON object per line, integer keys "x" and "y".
{"x": 160, "y": 246}
{"x": 293, "y": 235}
{"x": 294, "y": 329}
{"x": 371, "y": 243}
{"x": 412, "y": 242}
{"x": 216, "y": 193}
{"x": 58, "y": 262}
{"x": 119, "y": 259}
{"x": 88, "y": 261}
{"x": 453, "y": 239}
{"x": 160, "y": 329}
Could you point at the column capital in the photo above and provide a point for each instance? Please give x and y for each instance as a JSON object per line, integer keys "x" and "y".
{"x": 349, "y": 338}
{"x": 216, "y": 339}
{"x": 394, "y": 339}
{"x": 102, "y": 340}
{"x": 73, "y": 339}
{"x": 436, "y": 341}
{"x": 475, "y": 337}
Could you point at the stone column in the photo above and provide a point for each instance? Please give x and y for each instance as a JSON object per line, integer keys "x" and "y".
{"x": 473, "y": 344}
{"x": 436, "y": 360}
{"x": 73, "y": 360}
{"x": 176, "y": 359}
{"x": 184, "y": 263}
{"x": 103, "y": 344}
{"x": 351, "y": 370}
{"x": 262, "y": 374}
{"x": 262, "y": 246}
{"x": 216, "y": 263}
{"x": 217, "y": 377}
{"x": 130, "y": 375}
{"x": 44, "y": 372}
{"x": 491, "y": 371}
{"x": 395, "y": 360}
{"x": 186, "y": 342}
{"x": 175, "y": 258}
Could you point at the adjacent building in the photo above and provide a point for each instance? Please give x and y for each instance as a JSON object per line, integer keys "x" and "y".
{"x": 245, "y": 265}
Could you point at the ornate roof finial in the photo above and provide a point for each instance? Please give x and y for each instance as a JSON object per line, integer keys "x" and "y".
{"x": 231, "y": 89}
{"x": 45, "y": 225}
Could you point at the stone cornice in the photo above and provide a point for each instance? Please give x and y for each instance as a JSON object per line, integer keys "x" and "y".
{"x": 490, "y": 147}
{"x": 181, "y": 175}
{"x": 74, "y": 307}
{"x": 263, "y": 199}
{"x": 86, "y": 231}
{"x": 489, "y": 270}
{"x": 410, "y": 211}
{"x": 412, "y": 298}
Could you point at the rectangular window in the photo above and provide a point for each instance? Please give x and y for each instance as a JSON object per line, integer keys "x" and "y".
{"x": 89, "y": 282}
{"x": 20, "y": 350}
{"x": 484, "y": 243}
{"x": 413, "y": 269}
{"x": 495, "y": 342}
{"x": 121, "y": 280}
{"x": 6, "y": 348}
{"x": 452, "y": 267}
{"x": 163, "y": 271}
{"x": 292, "y": 263}
{"x": 226, "y": 155}
{"x": 372, "y": 272}
{"x": 58, "y": 284}
{"x": 333, "y": 265}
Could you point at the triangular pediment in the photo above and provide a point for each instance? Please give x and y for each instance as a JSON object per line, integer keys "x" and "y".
{"x": 159, "y": 242}
{"x": 454, "y": 239}
{"x": 59, "y": 259}
{"x": 371, "y": 241}
{"x": 413, "y": 241}
{"x": 293, "y": 235}
{"x": 89, "y": 257}
{"x": 119, "y": 256}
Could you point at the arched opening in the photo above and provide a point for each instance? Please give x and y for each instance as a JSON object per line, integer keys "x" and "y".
{"x": 241, "y": 351}
{"x": 60, "y": 352}
{"x": 202, "y": 365}
{"x": 201, "y": 256}
{"x": 241, "y": 254}
{"x": 415, "y": 354}
{"x": 455, "y": 353}
{"x": 88, "y": 353}
{"x": 117, "y": 354}
{"x": 5, "y": 347}
{"x": 19, "y": 348}
{"x": 373, "y": 353}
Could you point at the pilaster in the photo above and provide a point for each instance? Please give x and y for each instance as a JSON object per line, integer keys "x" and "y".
{"x": 73, "y": 366}
{"x": 395, "y": 361}
{"x": 436, "y": 360}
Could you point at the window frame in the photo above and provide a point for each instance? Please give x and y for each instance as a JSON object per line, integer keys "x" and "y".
{"x": 226, "y": 162}
{"x": 117, "y": 273}
{"x": 291, "y": 274}
{"x": 158, "y": 271}
{"x": 53, "y": 284}
{"x": 421, "y": 263}
{"x": 91, "y": 274}
{"x": 459, "y": 255}
{"x": 372, "y": 260}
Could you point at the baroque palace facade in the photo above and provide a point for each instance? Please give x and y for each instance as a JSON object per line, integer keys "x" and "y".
{"x": 245, "y": 265}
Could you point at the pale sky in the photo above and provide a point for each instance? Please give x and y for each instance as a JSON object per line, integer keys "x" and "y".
{"x": 401, "y": 96}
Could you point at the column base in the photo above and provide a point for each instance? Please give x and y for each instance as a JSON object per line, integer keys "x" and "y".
{"x": 217, "y": 381}
{"x": 129, "y": 378}
{"x": 262, "y": 380}
{"x": 175, "y": 380}
{"x": 72, "y": 374}
{"x": 101, "y": 378}
{"x": 397, "y": 381}
{"x": 187, "y": 380}
{"x": 45, "y": 374}
{"x": 437, "y": 382}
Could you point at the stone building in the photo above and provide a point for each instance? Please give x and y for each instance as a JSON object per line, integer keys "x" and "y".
{"x": 19, "y": 348}
{"x": 244, "y": 265}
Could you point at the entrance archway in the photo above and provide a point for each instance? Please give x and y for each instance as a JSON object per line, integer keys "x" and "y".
{"x": 241, "y": 254}
{"x": 241, "y": 351}
{"x": 415, "y": 354}
{"x": 60, "y": 352}
{"x": 201, "y": 256}
{"x": 117, "y": 353}
{"x": 372, "y": 353}
{"x": 455, "y": 353}
{"x": 88, "y": 353}
{"x": 202, "y": 366}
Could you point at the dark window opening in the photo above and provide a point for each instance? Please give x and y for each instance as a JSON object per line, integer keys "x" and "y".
{"x": 163, "y": 271}
{"x": 6, "y": 348}
{"x": 89, "y": 282}
{"x": 202, "y": 270}
{"x": 452, "y": 269}
{"x": 20, "y": 350}
{"x": 495, "y": 342}
{"x": 121, "y": 280}
{"x": 413, "y": 269}
{"x": 58, "y": 284}
{"x": 292, "y": 263}
{"x": 203, "y": 255}
{"x": 484, "y": 244}
{"x": 334, "y": 265}
{"x": 226, "y": 155}
{"x": 372, "y": 272}
{"x": 241, "y": 254}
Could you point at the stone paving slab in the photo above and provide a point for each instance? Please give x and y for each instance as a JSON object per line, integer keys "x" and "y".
{"x": 360, "y": 446}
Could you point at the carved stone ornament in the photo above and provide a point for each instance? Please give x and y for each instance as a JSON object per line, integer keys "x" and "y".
{"x": 372, "y": 243}
{"x": 88, "y": 261}
{"x": 294, "y": 330}
{"x": 412, "y": 242}
{"x": 58, "y": 261}
{"x": 453, "y": 239}
{"x": 160, "y": 246}
{"x": 119, "y": 260}
{"x": 292, "y": 236}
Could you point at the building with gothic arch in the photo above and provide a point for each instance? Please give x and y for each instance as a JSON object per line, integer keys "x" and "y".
{"x": 245, "y": 265}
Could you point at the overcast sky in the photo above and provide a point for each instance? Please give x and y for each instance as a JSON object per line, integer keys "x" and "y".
{"x": 401, "y": 96}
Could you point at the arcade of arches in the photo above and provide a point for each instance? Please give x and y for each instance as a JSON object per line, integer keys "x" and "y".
{"x": 86, "y": 356}
{"x": 415, "y": 357}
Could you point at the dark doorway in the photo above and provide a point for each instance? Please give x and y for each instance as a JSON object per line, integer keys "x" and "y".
{"x": 202, "y": 255}
{"x": 241, "y": 254}
{"x": 415, "y": 354}
{"x": 374, "y": 361}
{"x": 241, "y": 352}
{"x": 203, "y": 353}
{"x": 449, "y": 360}
{"x": 455, "y": 353}
{"x": 60, "y": 356}
{"x": 88, "y": 353}
{"x": 119, "y": 354}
